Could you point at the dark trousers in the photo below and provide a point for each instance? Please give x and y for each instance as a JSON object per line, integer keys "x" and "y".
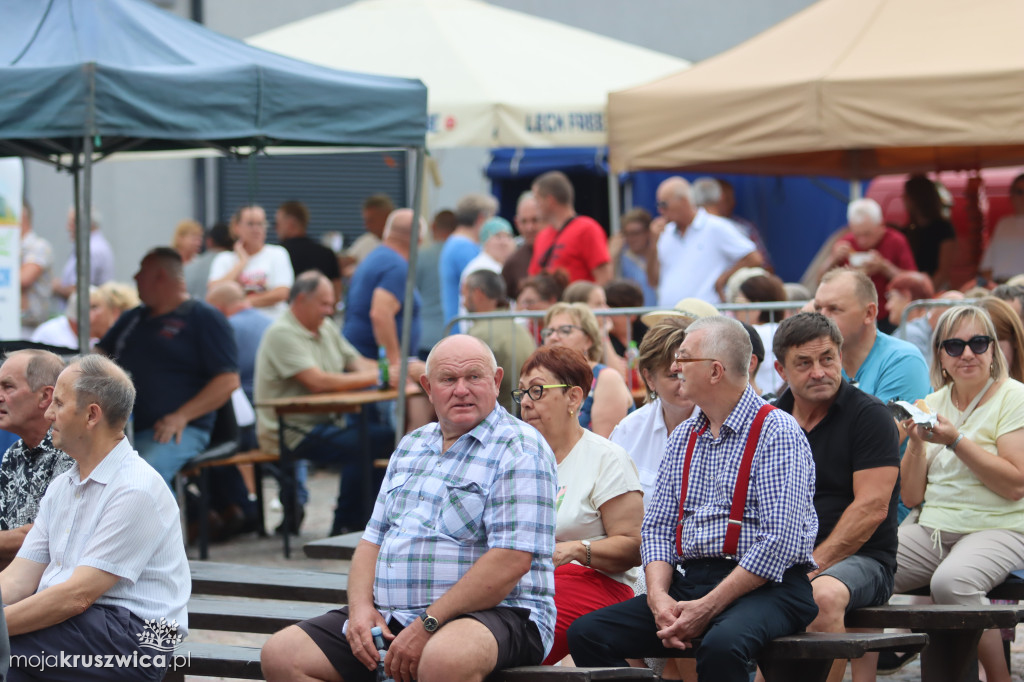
{"x": 330, "y": 444}
{"x": 627, "y": 630}
{"x": 77, "y": 650}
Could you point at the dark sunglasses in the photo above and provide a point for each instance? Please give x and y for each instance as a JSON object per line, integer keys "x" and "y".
{"x": 955, "y": 347}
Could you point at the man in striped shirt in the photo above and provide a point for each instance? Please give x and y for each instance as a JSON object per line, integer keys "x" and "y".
{"x": 455, "y": 565}
{"x": 745, "y": 580}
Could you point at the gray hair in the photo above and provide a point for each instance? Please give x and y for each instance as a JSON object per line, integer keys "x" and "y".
{"x": 679, "y": 187}
{"x": 706, "y": 191}
{"x": 472, "y": 206}
{"x": 490, "y": 283}
{"x": 944, "y": 328}
{"x": 42, "y": 368}
{"x": 523, "y": 198}
{"x": 726, "y": 341}
{"x": 863, "y": 210}
{"x": 492, "y": 362}
{"x": 71, "y": 310}
{"x": 306, "y": 283}
{"x": 103, "y": 382}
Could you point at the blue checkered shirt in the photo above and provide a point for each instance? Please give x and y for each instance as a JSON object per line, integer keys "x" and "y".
{"x": 779, "y": 522}
{"x": 438, "y": 512}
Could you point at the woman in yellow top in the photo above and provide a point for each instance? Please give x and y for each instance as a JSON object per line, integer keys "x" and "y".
{"x": 968, "y": 471}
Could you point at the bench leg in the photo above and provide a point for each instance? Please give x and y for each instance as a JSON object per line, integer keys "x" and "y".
{"x": 807, "y": 670}
{"x": 257, "y": 470}
{"x": 204, "y": 514}
{"x": 951, "y": 656}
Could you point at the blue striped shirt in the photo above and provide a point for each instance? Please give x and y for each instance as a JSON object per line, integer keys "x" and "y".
{"x": 779, "y": 522}
{"x": 438, "y": 512}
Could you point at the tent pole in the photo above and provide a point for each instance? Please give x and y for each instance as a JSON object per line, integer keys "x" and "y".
{"x": 82, "y": 234}
{"x": 856, "y": 190}
{"x": 414, "y": 155}
{"x": 614, "y": 210}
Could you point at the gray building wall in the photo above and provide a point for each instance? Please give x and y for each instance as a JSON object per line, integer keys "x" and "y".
{"x": 142, "y": 201}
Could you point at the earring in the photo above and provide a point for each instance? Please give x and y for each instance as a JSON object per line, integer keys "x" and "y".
{"x": 571, "y": 414}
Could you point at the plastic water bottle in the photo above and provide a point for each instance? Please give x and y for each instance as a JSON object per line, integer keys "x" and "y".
{"x": 382, "y": 652}
{"x": 383, "y": 370}
{"x": 632, "y": 353}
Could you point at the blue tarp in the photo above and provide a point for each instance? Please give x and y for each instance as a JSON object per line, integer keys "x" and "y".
{"x": 795, "y": 215}
{"x": 139, "y": 77}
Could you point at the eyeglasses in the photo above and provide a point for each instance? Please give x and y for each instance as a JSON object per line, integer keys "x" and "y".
{"x": 562, "y": 330}
{"x": 682, "y": 358}
{"x": 535, "y": 392}
{"x": 955, "y": 347}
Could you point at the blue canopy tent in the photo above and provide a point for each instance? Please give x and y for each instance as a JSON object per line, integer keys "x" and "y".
{"x": 83, "y": 79}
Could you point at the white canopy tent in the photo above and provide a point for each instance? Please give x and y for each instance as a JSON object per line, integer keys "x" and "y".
{"x": 494, "y": 77}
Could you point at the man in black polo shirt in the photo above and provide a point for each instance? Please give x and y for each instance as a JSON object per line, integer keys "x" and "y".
{"x": 291, "y": 224}
{"x": 855, "y": 445}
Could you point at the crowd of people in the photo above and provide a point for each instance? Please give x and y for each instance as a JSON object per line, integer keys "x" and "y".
{"x": 562, "y": 460}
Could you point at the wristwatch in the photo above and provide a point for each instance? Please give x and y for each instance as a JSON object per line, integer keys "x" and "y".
{"x": 586, "y": 543}
{"x": 430, "y": 623}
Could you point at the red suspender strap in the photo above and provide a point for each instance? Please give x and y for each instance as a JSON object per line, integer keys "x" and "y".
{"x": 690, "y": 444}
{"x": 739, "y": 493}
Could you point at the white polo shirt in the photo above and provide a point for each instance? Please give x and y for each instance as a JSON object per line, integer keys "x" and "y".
{"x": 691, "y": 262}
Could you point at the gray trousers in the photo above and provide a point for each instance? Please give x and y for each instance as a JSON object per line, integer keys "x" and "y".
{"x": 959, "y": 568}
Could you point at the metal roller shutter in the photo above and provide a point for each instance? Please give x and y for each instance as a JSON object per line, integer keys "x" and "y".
{"x": 333, "y": 186}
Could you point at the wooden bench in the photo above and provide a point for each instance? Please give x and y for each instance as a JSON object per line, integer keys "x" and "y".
{"x": 808, "y": 656}
{"x": 953, "y": 631}
{"x": 260, "y": 582}
{"x": 340, "y": 547}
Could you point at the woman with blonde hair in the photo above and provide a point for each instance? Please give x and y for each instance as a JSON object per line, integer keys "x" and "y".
{"x": 573, "y": 325}
{"x": 967, "y": 473}
{"x": 188, "y": 239}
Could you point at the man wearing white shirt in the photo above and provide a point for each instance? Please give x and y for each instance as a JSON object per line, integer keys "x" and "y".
{"x": 693, "y": 253}
{"x": 119, "y": 584}
{"x": 264, "y": 270}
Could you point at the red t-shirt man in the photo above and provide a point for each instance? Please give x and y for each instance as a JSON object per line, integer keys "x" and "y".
{"x": 578, "y": 248}
{"x": 894, "y": 248}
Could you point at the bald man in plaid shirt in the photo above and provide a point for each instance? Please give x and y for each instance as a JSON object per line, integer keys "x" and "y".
{"x": 455, "y": 565}
{"x": 745, "y": 579}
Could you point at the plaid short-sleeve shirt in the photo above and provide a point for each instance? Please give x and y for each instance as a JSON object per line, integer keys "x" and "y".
{"x": 438, "y": 512}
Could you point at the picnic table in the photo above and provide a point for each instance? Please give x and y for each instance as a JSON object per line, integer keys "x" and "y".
{"x": 341, "y": 402}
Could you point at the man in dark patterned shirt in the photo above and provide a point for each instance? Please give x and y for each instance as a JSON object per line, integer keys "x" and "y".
{"x": 27, "y": 378}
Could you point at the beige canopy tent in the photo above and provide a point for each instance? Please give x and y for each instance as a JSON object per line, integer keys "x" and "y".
{"x": 852, "y": 88}
{"x": 494, "y": 77}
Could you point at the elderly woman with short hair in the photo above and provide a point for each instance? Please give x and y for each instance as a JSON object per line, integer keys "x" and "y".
{"x": 599, "y": 504}
{"x": 608, "y": 400}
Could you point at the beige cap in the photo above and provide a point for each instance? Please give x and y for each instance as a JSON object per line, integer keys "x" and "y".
{"x": 693, "y": 308}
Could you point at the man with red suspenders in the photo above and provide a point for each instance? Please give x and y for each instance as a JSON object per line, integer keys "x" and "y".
{"x": 733, "y": 506}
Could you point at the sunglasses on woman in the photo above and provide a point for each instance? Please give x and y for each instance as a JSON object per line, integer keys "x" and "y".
{"x": 955, "y": 347}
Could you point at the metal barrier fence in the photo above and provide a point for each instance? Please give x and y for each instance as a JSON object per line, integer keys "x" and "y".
{"x": 776, "y": 312}
{"x": 928, "y": 303}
